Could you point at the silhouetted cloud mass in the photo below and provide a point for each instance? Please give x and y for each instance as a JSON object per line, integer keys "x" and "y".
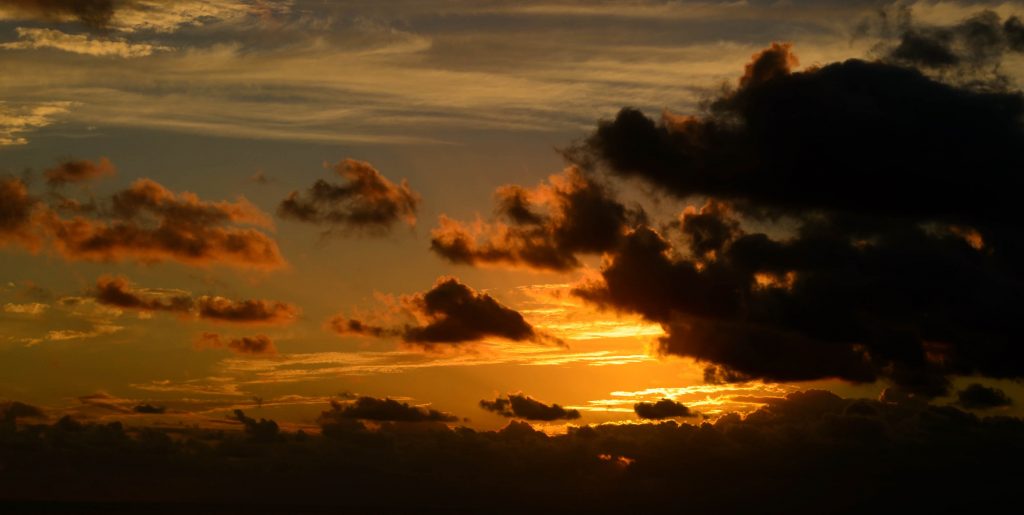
{"x": 149, "y": 409}
{"x": 450, "y": 313}
{"x": 518, "y": 405}
{"x": 541, "y": 228}
{"x": 864, "y": 454}
{"x": 978, "y": 396}
{"x": 366, "y": 201}
{"x": 895, "y": 243}
{"x": 78, "y": 170}
{"x": 382, "y": 410}
{"x": 976, "y": 44}
{"x": 662, "y": 409}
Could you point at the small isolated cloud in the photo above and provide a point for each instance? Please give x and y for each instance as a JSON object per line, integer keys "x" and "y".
{"x": 382, "y": 410}
{"x": 542, "y": 228}
{"x": 37, "y": 38}
{"x": 246, "y": 345}
{"x": 451, "y": 313}
{"x": 518, "y": 405}
{"x": 78, "y": 170}
{"x": 367, "y": 201}
{"x": 664, "y": 408}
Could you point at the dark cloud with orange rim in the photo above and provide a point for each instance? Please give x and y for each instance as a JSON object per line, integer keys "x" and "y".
{"x": 366, "y": 202}
{"x": 519, "y": 405}
{"x": 245, "y": 345}
{"x": 145, "y": 223}
{"x": 449, "y": 314}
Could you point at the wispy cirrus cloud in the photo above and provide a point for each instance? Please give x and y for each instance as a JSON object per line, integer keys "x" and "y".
{"x": 30, "y": 38}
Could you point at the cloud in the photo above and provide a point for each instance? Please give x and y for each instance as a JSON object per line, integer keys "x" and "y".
{"x": 252, "y": 345}
{"x": 25, "y": 118}
{"x": 11, "y": 411}
{"x": 17, "y": 208}
{"x": 36, "y": 38}
{"x": 31, "y": 308}
{"x": 94, "y": 13}
{"x": 788, "y": 272}
{"x": 977, "y": 396}
{"x": 149, "y": 409}
{"x": 662, "y": 409}
{"x": 366, "y": 201}
{"x": 381, "y": 410}
{"x": 450, "y": 313}
{"x": 543, "y": 228}
{"x": 518, "y": 405}
{"x": 256, "y": 311}
{"x": 78, "y": 170}
{"x": 150, "y": 223}
{"x": 974, "y": 45}
{"x": 117, "y": 291}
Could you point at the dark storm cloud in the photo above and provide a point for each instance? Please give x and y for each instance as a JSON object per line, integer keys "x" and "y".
{"x": 977, "y": 396}
{"x": 11, "y": 411}
{"x": 150, "y": 223}
{"x": 542, "y": 228}
{"x": 95, "y": 13}
{"x": 78, "y": 170}
{"x": 895, "y": 246}
{"x": 518, "y": 405}
{"x": 117, "y": 291}
{"x": 259, "y": 344}
{"x": 16, "y": 211}
{"x": 366, "y": 201}
{"x": 450, "y": 313}
{"x": 382, "y": 410}
{"x": 664, "y": 408}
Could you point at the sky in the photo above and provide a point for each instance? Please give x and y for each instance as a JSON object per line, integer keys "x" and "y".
{"x": 276, "y": 205}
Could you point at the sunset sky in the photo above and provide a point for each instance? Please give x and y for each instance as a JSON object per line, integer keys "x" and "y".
{"x": 272, "y": 205}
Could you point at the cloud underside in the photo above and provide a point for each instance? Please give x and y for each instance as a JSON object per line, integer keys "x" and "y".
{"x": 518, "y": 405}
{"x": 450, "y": 313}
{"x": 145, "y": 223}
{"x": 901, "y": 258}
{"x": 366, "y": 202}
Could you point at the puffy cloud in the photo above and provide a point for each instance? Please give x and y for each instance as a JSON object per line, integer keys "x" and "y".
{"x": 117, "y": 291}
{"x": 518, "y": 405}
{"x": 151, "y": 224}
{"x": 381, "y": 410}
{"x": 78, "y": 170}
{"x": 95, "y": 13}
{"x": 887, "y": 243}
{"x": 16, "y": 212}
{"x": 976, "y": 44}
{"x": 259, "y": 344}
{"x": 36, "y": 38}
{"x": 366, "y": 201}
{"x": 256, "y": 311}
{"x": 450, "y": 313}
{"x": 541, "y": 228}
{"x": 664, "y": 408}
{"x": 978, "y": 396}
